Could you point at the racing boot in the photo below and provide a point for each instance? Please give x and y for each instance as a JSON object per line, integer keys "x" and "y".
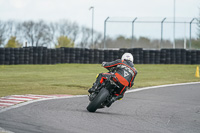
{"x": 92, "y": 89}
{"x": 101, "y": 107}
{"x": 95, "y": 85}
{"x": 113, "y": 100}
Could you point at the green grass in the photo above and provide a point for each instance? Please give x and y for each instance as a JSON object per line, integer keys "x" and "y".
{"x": 78, "y": 78}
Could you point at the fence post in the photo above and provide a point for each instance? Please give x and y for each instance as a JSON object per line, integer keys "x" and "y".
{"x": 105, "y": 32}
{"x": 162, "y": 31}
{"x": 191, "y": 32}
{"x": 133, "y": 31}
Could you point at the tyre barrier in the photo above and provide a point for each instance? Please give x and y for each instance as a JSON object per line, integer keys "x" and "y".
{"x": 43, "y": 55}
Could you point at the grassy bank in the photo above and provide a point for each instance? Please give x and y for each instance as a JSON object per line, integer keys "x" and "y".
{"x": 77, "y": 78}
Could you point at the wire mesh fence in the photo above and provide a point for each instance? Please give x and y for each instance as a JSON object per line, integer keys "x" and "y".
{"x": 158, "y": 32}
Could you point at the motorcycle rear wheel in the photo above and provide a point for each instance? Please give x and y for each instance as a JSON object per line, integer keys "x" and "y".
{"x": 100, "y": 98}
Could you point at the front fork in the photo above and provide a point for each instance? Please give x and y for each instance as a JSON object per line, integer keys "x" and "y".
{"x": 94, "y": 93}
{"x": 92, "y": 96}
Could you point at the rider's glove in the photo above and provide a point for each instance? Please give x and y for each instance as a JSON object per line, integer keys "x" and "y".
{"x": 103, "y": 63}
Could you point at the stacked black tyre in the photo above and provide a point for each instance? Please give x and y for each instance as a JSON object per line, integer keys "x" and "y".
{"x": 188, "y": 57}
{"x": 2, "y": 56}
{"x": 91, "y": 56}
{"x": 43, "y": 55}
{"x": 12, "y": 56}
{"x": 53, "y": 56}
{"x": 26, "y": 55}
{"x": 62, "y": 55}
{"x": 72, "y": 53}
{"x": 101, "y": 56}
{"x": 77, "y": 55}
{"x": 40, "y": 55}
{"x": 146, "y": 57}
{"x": 137, "y": 53}
{"x": 183, "y": 56}
{"x": 16, "y": 53}
{"x": 110, "y": 55}
{"x": 7, "y": 56}
{"x": 67, "y": 55}
{"x": 107, "y": 56}
{"x": 172, "y": 56}
{"x": 163, "y": 56}
{"x": 35, "y": 55}
{"x": 157, "y": 57}
{"x": 178, "y": 56}
{"x": 168, "y": 56}
{"x": 152, "y": 57}
{"x": 139, "y": 56}
{"x": 198, "y": 57}
{"x": 96, "y": 56}
{"x": 82, "y": 54}
{"x": 121, "y": 52}
{"x": 58, "y": 55}
{"x": 193, "y": 57}
{"x": 115, "y": 54}
{"x": 48, "y": 56}
{"x": 30, "y": 55}
{"x": 21, "y": 56}
{"x": 86, "y": 56}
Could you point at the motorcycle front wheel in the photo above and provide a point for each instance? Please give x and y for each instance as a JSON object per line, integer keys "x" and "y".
{"x": 100, "y": 98}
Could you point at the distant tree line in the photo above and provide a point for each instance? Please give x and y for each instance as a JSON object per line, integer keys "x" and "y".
{"x": 69, "y": 34}
{"x": 40, "y": 33}
{"x": 144, "y": 42}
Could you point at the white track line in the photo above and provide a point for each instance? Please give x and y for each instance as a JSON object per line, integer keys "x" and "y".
{"x": 160, "y": 86}
{"x": 21, "y": 99}
{"x": 7, "y": 100}
{"x": 37, "y": 100}
{"x": 8, "y": 104}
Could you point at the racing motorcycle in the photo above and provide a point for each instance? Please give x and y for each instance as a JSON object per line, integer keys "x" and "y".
{"x": 103, "y": 94}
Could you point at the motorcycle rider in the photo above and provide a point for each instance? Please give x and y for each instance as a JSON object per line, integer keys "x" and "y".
{"x": 124, "y": 71}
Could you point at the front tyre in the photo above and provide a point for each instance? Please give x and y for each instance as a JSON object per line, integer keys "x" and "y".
{"x": 100, "y": 98}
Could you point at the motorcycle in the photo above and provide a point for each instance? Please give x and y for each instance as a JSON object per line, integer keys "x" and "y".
{"x": 103, "y": 94}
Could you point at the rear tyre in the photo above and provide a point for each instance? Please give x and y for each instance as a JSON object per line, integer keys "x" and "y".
{"x": 100, "y": 98}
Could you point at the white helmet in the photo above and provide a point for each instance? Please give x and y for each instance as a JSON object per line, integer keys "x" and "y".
{"x": 127, "y": 56}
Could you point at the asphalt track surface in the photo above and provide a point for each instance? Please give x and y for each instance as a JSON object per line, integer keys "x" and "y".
{"x": 172, "y": 109}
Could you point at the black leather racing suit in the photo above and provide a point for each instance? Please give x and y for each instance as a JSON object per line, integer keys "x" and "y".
{"x": 125, "y": 73}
